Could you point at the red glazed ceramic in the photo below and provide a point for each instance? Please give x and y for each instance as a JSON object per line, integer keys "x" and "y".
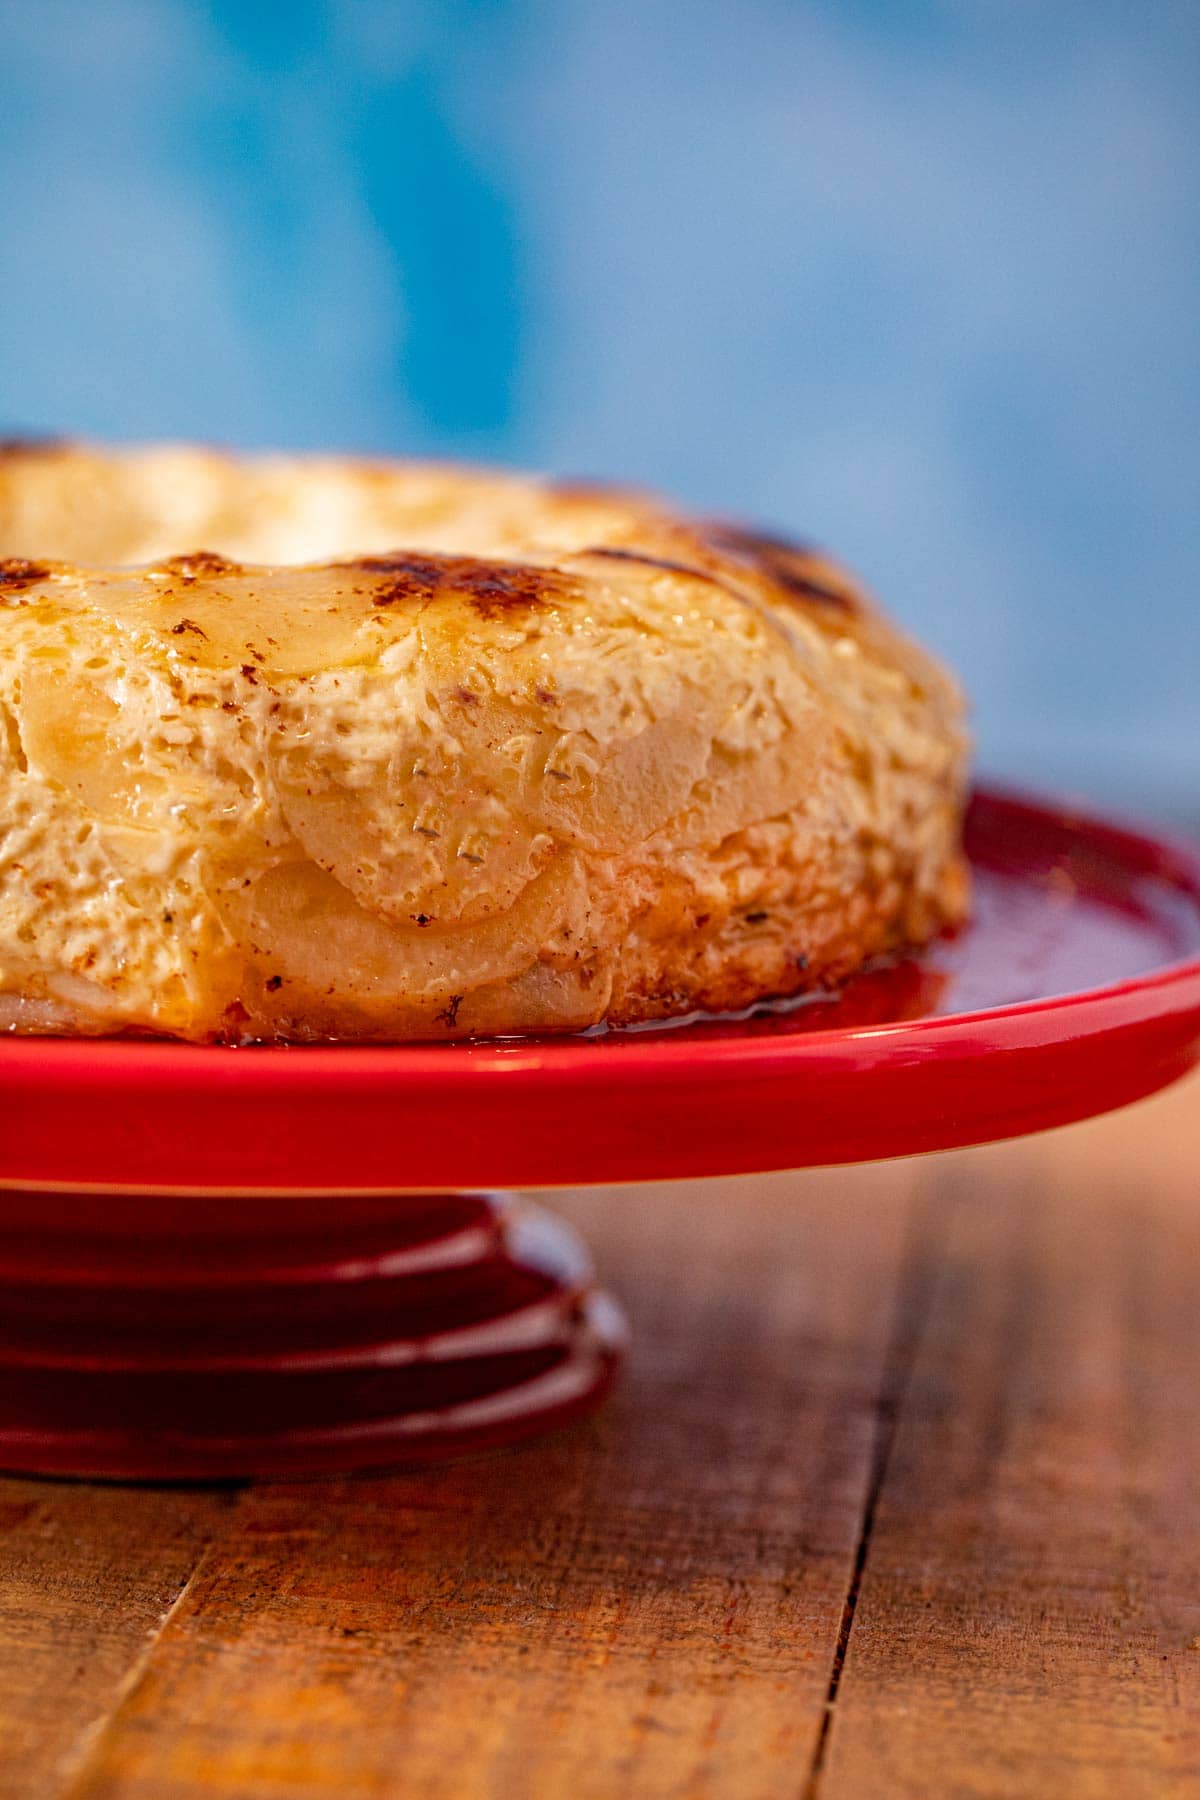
{"x": 218, "y": 1262}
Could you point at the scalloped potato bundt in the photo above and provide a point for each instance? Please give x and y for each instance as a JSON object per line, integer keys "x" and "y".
{"x": 311, "y": 748}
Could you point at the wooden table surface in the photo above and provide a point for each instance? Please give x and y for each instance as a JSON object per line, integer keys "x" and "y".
{"x": 900, "y": 1495}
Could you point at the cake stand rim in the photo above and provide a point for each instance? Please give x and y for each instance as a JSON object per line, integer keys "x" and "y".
{"x": 1162, "y": 1003}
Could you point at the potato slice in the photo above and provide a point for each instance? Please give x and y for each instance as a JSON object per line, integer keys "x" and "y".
{"x": 72, "y": 732}
{"x": 305, "y": 928}
{"x": 280, "y": 621}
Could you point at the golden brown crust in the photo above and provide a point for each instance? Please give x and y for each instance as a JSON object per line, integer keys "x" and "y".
{"x": 380, "y": 751}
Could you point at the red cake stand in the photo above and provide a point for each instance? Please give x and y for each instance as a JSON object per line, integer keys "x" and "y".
{"x": 219, "y": 1262}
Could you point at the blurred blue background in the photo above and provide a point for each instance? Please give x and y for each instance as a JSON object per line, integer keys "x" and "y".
{"x": 920, "y": 280}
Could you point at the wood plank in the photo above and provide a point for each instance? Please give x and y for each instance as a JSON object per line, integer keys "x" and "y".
{"x": 647, "y": 1605}
{"x": 1029, "y": 1617}
{"x": 87, "y": 1576}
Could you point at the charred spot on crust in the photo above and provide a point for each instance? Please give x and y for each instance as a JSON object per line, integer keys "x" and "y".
{"x": 691, "y": 570}
{"x": 799, "y": 569}
{"x": 33, "y": 443}
{"x": 17, "y": 572}
{"x": 188, "y": 625}
{"x": 449, "y": 1015}
{"x": 193, "y": 565}
{"x": 411, "y": 572}
{"x": 652, "y": 562}
{"x": 496, "y": 590}
{"x": 500, "y": 590}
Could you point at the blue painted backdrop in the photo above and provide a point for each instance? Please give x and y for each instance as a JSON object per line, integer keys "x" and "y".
{"x": 920, "y": 279}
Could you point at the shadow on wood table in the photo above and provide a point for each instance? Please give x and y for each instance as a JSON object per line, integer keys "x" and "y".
{"x": 900, "y": 1496}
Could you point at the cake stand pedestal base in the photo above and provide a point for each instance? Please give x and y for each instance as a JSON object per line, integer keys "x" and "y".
{"x": 213, "y": 1338}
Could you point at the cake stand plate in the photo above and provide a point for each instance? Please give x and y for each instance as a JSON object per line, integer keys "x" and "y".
{"x": 223, "y": 1262}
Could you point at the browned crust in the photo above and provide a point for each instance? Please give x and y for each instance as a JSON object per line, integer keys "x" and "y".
{"x": 17, "y": 572}
{"x": 494, "y": 590}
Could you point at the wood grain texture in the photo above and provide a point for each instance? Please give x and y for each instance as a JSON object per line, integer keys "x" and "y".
{"x": 87, "y": 1577}
{"x": 900, "y": 1496}
{"x": 648, "y": 1605}
{"x": 1029, "y": 1618}
{"x": 644, "y": 1606}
